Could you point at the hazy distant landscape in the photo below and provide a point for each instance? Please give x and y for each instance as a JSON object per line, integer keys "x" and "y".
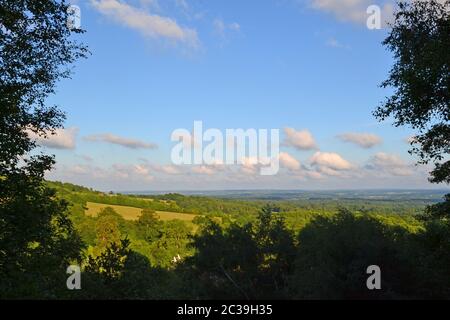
{"x": 424, "y": 196}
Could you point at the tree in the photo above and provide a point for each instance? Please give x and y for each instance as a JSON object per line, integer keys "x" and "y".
{"x": 276, "y": 251}
{"x": 420, "y": 77}
{"x": 149, "y": 225}
{"x": 111, "y": 261}
{"x": 108, "y": 233}
{"x": 37, "y": 240}
{"x": 225, "y": 262}
{"x": 247, "y": 261}
{"x": 105, "y": 270}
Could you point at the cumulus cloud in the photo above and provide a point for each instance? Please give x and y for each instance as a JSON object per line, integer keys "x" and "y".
{"x": 389, "y": 163}
{"x": 119, "y": 177}
{"x": 203, "y": 170}
{"x": 289, "y": 162}
{"x": 330, "y": 160}
{"x": 254, "y": 166}
{"x": 169, "y": 169}
{"x": 213, "y": 168}
{"x": 134, "y": 172}
{"x": 301, "y": 140}
{"x": 313, "y": 175}
{"x": 149, "y": 25}
{"x": 364, "y": 140}
{"x": 249, "y": 165}
{"x": 352, "y": 10}
{"x": 60, "y": 139}
{"x": 124, "y": 142}
{"x": 141, "y": 169}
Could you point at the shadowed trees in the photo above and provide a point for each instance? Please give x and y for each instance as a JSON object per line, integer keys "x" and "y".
{"x": 37, "y": 240}
{"x": 335, "y": 252}
{"x": 247, "y": 262}
{"x": 329, "y": 259}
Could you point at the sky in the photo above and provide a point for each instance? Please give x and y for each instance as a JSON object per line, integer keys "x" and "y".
{"x": 310, "y": 68}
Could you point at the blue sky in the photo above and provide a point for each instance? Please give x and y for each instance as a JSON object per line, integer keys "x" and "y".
{"x": 159, "y": 65}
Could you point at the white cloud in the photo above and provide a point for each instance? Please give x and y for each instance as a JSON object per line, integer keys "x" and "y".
{"x": 137, "y": 172}
{"x": 149, "y": 25}
{"x": 170, "y": 169}
{"x": 124, "y": 142}
{"x": 252, "y": 166}
{"x": 302, "y": 140}
{"x": 330, "y": 160}
{"x": 353, "y": 10}
{"x": 60, "y": 139}
{"x": 289, "y": 162}
{"x": 384, "y": 159}
{"x": 167, "y": 169}
{"x": 390, "y": 164}
{"x": 364, "y": 140}
{"x": 203, "y": 170}
{"x": 141, "y": 169}
{"x": 380, "y": 171}
{"x": 313, "y": 175}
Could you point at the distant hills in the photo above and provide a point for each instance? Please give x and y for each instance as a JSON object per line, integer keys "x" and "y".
{"x": 430, "y": 195}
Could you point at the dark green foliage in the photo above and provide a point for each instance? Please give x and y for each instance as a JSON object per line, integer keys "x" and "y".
{"x": 334, "y": 254}
{"x": 225, "y": 261}
{"x": 103, "y": 272}
{"x": 107, "y": 229}
{"x": 37, "y": 240}
{"x": 110, "y": 263}
{"x": 439, "y": 210}
{"x": 172, "y": 242}
{"x": 433, "y": 260}
{"x": 149, "y": 226}
{"x": 250, "y": 261}
{"x": 329, "y": 261}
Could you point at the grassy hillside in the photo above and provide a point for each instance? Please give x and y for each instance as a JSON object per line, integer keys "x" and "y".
{"x": 132, "y": 213}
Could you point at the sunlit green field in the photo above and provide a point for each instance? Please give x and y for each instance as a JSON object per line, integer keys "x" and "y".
{"x": 131, "y": 213}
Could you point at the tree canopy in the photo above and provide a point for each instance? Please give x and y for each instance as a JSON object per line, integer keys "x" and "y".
{"x": 420, "y": 78}
{"x": 37, "y": 239}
